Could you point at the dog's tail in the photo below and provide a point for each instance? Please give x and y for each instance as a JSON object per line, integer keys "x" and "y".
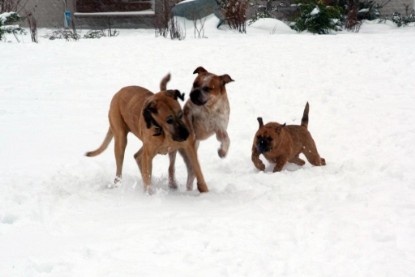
{"x": 304, "y": 120}
{"x": 103, "y": 146}
{"x": 164, "y": 81}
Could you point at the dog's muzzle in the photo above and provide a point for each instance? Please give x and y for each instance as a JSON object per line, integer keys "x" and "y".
{"x": 263, "y": 144}
{"x": 181, "y": 133}
{"x": 197, "y": 97}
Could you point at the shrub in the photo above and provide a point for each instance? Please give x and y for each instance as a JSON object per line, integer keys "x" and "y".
{"x": 318, "y": 18}
{"x": 235, "y": 13}
{"x": 96, "y": 34}
{"x": 64, "y": 34}
{"x": 369, "y": 10}
{"x": 403, "y": 20}
{"x": 166, "y": 24}
{"x": 8, "y": 24}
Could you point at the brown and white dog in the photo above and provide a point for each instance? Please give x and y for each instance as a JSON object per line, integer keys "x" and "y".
{"x": 206, "y": 113}
{"x": 157, "y": 120}
{"x": 280, "y": 143}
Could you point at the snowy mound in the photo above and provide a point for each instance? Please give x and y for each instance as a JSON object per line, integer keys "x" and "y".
{"x": 271, "y": 26}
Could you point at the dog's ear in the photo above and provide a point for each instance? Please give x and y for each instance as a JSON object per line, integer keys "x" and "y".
{"x": 148, "y": 110}
{"x": 279, "y": 128}
{"x": 226, "y": 79}
{"x": 261, "y": 123}
{"x": 199, "y": 70}
{"x": 175, "y": 94}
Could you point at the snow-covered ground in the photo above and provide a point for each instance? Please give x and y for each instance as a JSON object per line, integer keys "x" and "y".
{"x": 353, "y": 217}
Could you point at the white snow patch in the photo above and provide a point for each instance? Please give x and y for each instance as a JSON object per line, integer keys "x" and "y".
{"x": 353, "y": 217}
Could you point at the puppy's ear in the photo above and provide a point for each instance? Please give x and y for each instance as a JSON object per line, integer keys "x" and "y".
{"x": 279, "y": 128}
{"x": 148, "y": 110}
{"x": 175, "y": 94}
{"x": 199, "y": 70}
{"x": 261, "y": 123}
{"x": 226, "y": 79}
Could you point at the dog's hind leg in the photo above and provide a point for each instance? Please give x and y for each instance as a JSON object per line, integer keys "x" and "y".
{"x": 172, "y": 179}
{"x": 296, "y": 160}
{"x": 311, "y": 153}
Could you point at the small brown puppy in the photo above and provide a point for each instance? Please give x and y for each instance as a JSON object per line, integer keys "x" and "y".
{"x": 284, "y": 143}
{"x": 157, "y": 120}
{"x": 206, "y": 113}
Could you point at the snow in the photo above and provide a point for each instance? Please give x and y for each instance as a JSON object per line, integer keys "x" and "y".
{"x": 353, "y": 217}
{"x": 4, "y": 16}
{"x": 315, "y": 11}
{"x": 364, "y": 10}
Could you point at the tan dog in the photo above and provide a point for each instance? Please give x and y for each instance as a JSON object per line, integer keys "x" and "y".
{"x": 157, "y": 120}
{"x": 206, "y": 113}
{"x": 284, "y": 143}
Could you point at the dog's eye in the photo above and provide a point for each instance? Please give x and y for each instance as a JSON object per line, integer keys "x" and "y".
{"x": 170, "y": 120}
{"x": 206, "y": 89}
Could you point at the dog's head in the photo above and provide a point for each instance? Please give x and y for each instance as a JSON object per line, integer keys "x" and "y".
{"x": 268, "y": 136}
{"x": 164, "y": 113}
{"x": 207, "y": 87}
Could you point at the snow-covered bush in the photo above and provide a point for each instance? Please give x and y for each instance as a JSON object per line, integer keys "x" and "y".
{"x": 8, "y": 24}
{"x": 403, "y": 20}
{"x": 318, "y": 18}
{"x": 369, "y": 10}
{"x": 66, "y": 34}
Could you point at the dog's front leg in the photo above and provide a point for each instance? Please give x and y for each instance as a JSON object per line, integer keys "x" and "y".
{"x": 172, "y": 178}
{"x": 256, "y": 160}
{"x": 280, "y": 162}
{"x": 145, "y": 163}
{"x": 191, "y": 153}
{"x": 190, "y": 173}
{"x": 222, "y": 136}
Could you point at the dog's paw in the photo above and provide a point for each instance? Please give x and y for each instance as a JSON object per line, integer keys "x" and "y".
{"x": 115, "y": 184}
{"x": 173, "y": 186}
{"x": 259, "y": 165}
{"x": 222, "y": 153}
{"x": 189, "y": 187}
{"x": 202, "y": 188}
{"x": 277, "y": 169}
{"x": 149, "y": 190}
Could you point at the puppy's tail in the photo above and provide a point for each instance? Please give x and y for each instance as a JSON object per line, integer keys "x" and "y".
{"x": 304, "y": 120}
{"x": 164, "y": 81}
{"x": 103, "y": 146}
